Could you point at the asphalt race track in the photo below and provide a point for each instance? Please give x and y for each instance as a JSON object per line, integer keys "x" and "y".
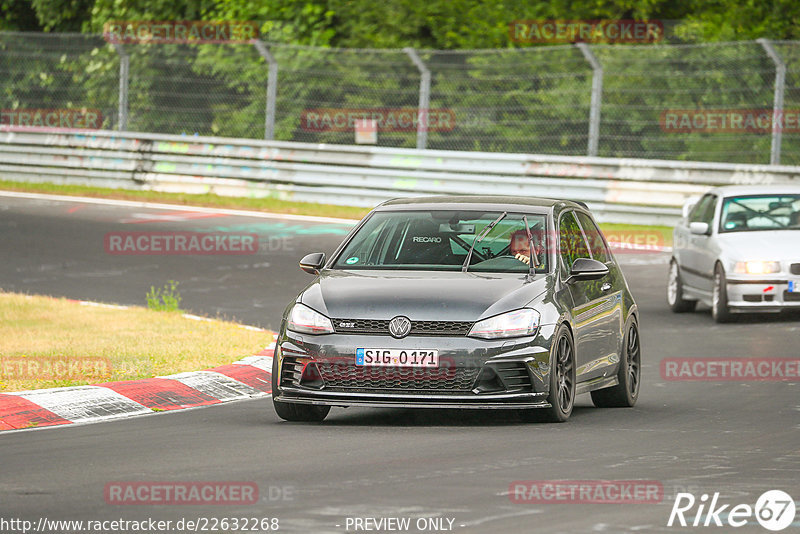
{"x": 736, "y": 438}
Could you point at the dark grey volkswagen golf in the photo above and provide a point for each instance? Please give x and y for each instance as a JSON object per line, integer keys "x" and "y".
{"x": 462, "y": 302}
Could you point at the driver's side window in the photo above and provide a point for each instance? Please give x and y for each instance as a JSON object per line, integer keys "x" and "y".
{"x": 704, "y": 210}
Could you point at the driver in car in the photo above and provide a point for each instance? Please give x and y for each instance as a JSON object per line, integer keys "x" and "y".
{"x": 520, "y": 249}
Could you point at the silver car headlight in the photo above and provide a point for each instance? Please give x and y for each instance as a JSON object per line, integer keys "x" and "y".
{"x": 304, "y": 320}
{"x": 757, "y": 267}
{"x": 515, "y": 323}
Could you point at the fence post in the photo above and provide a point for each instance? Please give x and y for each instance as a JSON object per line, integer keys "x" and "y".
{"x": 597, "y": 98}
{"x": 272, "y": 88}
{"x": 777, "y": 100}
{"x": 424, "y": 97}
{"x": 122, "y": 111}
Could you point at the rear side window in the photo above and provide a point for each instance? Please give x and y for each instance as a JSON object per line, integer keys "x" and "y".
{"x": 596, "y": 242}
{"x": 572, "y": 244}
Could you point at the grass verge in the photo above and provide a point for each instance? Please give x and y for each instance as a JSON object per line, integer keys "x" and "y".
{"x": 47, "y": 342}
{"x": 639, "y": 235}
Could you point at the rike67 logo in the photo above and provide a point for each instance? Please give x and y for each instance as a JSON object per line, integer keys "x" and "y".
{"x": 774, "y": 510}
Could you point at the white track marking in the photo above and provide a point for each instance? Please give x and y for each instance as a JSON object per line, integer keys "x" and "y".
{"x": 262, "y": 362}
{"x": 216, "y": 385}
{"x": 82, "y": 404}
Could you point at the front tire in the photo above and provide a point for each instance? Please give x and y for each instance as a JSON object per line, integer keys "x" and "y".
{"x": 719, "y": 301}
{"x": 300, "y": 413}
{"x": 562, "y": 381}
{"x": 675, "y": 298}
{"x": 626, "y": 392}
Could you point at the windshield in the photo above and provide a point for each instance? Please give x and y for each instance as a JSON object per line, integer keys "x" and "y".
{"x": 440, "y": 240}
{"x": 760, "y": 212}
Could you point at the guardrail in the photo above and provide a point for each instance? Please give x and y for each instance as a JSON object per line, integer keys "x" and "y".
{"x": 617, "y": 190}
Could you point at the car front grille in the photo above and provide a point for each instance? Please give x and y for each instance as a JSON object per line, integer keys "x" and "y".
{"x": 795, "y": 268}
{"x": 418, "y": 328}
{"x": 348, "y": 376}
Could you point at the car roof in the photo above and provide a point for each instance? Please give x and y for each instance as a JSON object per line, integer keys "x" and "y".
{"x": 480, "y": 202}
{"x": 732, "y": 190}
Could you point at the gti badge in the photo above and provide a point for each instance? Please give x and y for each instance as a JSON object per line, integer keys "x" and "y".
{"x": 400, "y": 326}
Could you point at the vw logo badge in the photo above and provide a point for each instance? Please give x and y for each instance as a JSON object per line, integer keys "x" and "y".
{"x": 400, "y": 326}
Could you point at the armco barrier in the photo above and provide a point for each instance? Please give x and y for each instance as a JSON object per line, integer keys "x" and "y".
{"x": 617, "y": 190}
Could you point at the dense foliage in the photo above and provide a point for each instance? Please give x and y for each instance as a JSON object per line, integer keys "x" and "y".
{"x": 517, "y": 98}
{"x": 441, "y": 24}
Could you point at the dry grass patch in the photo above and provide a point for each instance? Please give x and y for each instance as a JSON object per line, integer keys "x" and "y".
{"x": 47, "y": 342}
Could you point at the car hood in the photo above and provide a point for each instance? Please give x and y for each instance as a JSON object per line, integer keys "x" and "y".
{"x": 422, "y": 296}
{"x": 770, "y": 245}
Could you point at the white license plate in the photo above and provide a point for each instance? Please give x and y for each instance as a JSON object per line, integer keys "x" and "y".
{"x": 397, "y": 357}
{"x": 794, "y": 286}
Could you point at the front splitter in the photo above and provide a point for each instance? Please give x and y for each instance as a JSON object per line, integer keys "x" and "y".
{"x": 366, "y": 400}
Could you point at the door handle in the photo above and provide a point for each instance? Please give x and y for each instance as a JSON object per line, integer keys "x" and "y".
{"x": 605, "y": 287}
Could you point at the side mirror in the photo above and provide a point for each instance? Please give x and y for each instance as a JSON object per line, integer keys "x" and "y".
{"x": 699, "y": 228}
{"x": 586, "y": 269}
{"x": 312, "y": 263}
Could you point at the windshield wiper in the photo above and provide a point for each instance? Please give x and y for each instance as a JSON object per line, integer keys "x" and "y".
{"x": 533, "y": 263}
{"x": 764, "y": 214}
{"x": 479, "y": 239}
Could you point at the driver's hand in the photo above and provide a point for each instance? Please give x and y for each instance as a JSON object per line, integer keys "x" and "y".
{"x": 523, "y": 258}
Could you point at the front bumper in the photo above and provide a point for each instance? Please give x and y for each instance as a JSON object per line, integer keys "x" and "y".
{"x": 473, "y": 373}
{"x": 762, "y": 294}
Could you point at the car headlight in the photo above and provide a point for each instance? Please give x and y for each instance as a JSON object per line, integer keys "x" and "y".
{"x": 757, "y": 267}
{"x": 307, "y": 321}
{"x": 517, "y": 323}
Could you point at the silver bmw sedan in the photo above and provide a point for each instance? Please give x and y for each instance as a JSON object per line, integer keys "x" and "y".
{"x": 737, "y": 249}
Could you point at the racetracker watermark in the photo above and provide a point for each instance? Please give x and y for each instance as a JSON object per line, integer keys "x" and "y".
{"x": 51, "y": 119}
{"x": 586, "y": 491}
{"x": 751, "y": 121}
{"x": 386, "y": 119}
{"x": 180, "y": 243}
{"x": 634, "y": 241}
{"x": 54, "y": 368}
{"x": 181, "y": 493}
{"x": 619, "y": 241}
{"x": 179, "y": 32}
{"x": 586, "y": 31}
{"x": 730, "y": 369}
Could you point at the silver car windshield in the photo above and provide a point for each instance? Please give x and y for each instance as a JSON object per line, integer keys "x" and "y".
{"x": 440, "y": 240}
{"x": 760, "y": 212}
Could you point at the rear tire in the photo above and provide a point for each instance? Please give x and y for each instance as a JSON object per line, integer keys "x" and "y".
{"x": 300, "y": 413}
{"x": 626, "y": 392}
{"x": 675, "y": 298}
{"x": 562, "y": 381}
{"x": 719, "y": 301}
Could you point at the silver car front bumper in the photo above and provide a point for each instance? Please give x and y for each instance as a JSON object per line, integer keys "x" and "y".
{"x": 766, "y": 295}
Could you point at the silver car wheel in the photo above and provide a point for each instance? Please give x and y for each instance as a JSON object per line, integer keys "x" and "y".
{"x": 715, "y": 295}
{"x": 672, "y": 285}
{"x": 719, "y": 298}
